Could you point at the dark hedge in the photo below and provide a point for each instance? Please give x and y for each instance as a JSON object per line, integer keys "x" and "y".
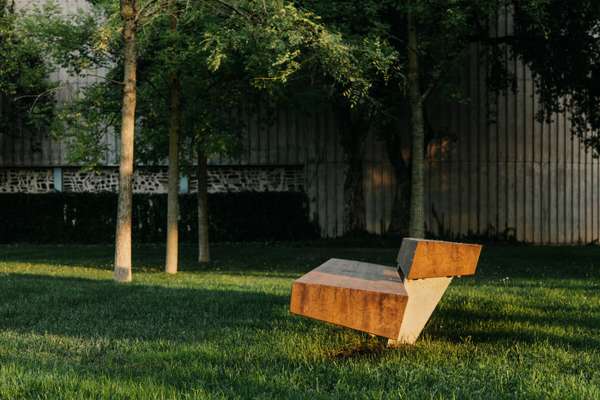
{"x": 90, "y": 218}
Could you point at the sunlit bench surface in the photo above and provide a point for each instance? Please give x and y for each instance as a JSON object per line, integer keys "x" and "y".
{"x": 393, "y": 302}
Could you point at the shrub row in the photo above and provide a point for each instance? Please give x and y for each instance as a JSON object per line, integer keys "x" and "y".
{"x": 90, "y": 218}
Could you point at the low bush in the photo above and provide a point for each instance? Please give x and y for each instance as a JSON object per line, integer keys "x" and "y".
{"x": 90, "y": 217}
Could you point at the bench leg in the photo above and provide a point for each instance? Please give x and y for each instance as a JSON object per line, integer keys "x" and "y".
{"x": 423, "y": 297}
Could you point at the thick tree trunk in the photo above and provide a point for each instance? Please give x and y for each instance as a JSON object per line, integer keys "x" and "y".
{"x": 203, "y": 243}
{"x": 122, "y": 272}
{"x": 173, "y": 192}
{"x": 417, "y": 198}
{"x": 399, "y": 221}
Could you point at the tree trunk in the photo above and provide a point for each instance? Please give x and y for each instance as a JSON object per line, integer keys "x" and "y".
{"x": 355, "y": 128}
{"x": 354, "y": 198}
{"x": 173, "y": 191}
{"x": 417, "y": 198}
{"x": 203, "y": 243}
{"x": 122, "y": 272}
{"x": 399, "y": 221}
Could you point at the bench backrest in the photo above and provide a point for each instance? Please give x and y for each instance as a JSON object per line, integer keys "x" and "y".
{"x": 421, "y": 258}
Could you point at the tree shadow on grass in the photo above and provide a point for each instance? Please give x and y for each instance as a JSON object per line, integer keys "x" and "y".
{"x": 139, "y": 332}
{"x": 539, "y": 262}
{"x": 227, "y": 342}
{"x": 92, "y": 308}
{"x": 560, "y": 326}
{"x": 281, "y": 260}
{"x": 226, "y": 257}
{"x": 100, "y": 308}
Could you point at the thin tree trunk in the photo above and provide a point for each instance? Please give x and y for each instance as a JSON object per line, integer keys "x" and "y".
{"x": 173, "y": 191}
{"x": 399, "y": 221}
{"x": 417, "y": 198}
{"x": 354, "y": 196}
{"x": 122, "y": 272}
{"x": 203, "y": 242}
{"x": 354, "y": 130}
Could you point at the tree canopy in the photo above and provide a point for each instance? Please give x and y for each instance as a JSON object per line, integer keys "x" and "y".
{"x": 26, "y": 94}
{"x": 224, "y": 53}
{"x": 560, "y": 43}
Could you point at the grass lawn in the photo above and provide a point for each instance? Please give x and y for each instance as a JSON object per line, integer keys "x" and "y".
{"x": 527, "y": 326}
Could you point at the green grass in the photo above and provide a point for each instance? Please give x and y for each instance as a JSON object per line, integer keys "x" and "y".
{"x": 527, "y": 326}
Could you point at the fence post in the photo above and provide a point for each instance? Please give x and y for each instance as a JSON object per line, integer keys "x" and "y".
{"x": 57, "y": 177}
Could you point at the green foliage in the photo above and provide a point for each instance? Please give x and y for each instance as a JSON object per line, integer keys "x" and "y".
{"x": 525, "y": 327}
{"x": 226, "y": 54}
{"x": 212, "y": 101}
{"x": 222, "y": 55}
{"x": 560, "y": 42}
{"x": 26, "y": 95}
{"x": 75, "y": 39}
{"x": 228, "y": 57}
{"x": 84, "y": 122}
{"x": 282, "y": 42}
{"x": 446, "y": 31}
{"x": 83, "y": 42}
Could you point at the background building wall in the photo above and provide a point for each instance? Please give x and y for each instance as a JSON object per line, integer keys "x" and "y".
{"x": 498, "y": 171}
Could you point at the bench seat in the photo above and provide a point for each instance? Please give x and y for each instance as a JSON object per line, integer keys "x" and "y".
{"x": 392, "y": 302}
{"x": 363, "y": 296}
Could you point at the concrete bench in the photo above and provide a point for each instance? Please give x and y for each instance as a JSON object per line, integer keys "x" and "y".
{"x": 393, "y": 302}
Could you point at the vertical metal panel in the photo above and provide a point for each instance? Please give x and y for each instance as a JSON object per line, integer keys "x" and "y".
{"x": 370, "y": 185}
{"x": 288, "y": 142}
{"x": 330, "y": 144}
{"x": 452, "y": 167}
{"x": 3, "y": 143}
{"x": 519, "y": 159}
{"x": 569, "y": 179}
{"x": 562, "y": 184}
{"x": 596, "y": 204}
{"x": 473, "y": 158}
{"x": 321, "y": 173}
{"x": 311, "y": 164}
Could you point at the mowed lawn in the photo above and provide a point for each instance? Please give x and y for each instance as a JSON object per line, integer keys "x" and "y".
{"x": 527, "y": 326}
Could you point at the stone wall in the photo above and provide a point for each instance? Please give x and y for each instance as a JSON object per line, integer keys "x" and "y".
{"x": 221, "y": 179}
{"x": 253, "y": 179}
{"x": 26, "y": 180}
{"x": 107, "y": 180}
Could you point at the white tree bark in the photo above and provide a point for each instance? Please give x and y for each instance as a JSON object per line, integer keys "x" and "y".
{"x": 122, "y": 267}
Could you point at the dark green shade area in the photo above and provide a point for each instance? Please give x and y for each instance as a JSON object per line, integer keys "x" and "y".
{"x": 90, "y": 217}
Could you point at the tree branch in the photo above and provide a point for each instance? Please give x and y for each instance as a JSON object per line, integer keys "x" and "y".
{"x": 37, "y": 97}
{"x": 232, "y": 8}
{"x": 142, "y": 10}
{"x": 104, "y": 78}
